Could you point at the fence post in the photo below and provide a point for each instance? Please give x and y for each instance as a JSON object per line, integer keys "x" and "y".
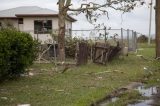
{"x": 55, "y": 54}
{"x": 105, "y": 34}
{"x": 135, "y": 35}
{"x": 132, "y": 40}
{"x": 122, "y": 35}
{"x": 91, "y": 52}
{"x": 128, "y": 38}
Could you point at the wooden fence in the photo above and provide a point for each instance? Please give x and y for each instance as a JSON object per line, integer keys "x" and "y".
{"x": 103, "y": 52}
{"x": 82, "y": 53}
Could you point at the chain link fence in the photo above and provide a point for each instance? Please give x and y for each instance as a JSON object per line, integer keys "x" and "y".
{"x": 127, "y": 37}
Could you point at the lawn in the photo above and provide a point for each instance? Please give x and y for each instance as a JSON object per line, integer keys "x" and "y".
{"x": 79, "y": 86}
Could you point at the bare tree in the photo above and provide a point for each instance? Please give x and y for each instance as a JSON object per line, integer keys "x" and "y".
{"x": 157, "y": 28}
{"x": 89, "y": 9}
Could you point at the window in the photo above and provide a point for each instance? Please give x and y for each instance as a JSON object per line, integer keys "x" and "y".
{"x": 20, "y": 21}
{"x": 42, "y": 26}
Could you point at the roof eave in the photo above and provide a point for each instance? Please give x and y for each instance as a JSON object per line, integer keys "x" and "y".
{"x": 48, "y": 15}
{"x": 33, "y": 15}
{"x": 39, "y": 15}
{"x": 72, "y": 19}
{"x": 8, "y": 17}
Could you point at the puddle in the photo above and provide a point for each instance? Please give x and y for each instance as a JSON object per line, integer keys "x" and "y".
{"x": 142, "y": 103}
{"x": 111, "y": 100}
{"x": 146, "y": 92}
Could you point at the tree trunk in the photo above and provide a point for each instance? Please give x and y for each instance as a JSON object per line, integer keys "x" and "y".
{"x": 157, "y": 28}
{"x": 61, "y": 33}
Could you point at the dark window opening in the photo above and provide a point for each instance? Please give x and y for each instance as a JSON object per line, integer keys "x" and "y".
{"x": 42, "y": 26}
{"x": 20, "y": 21}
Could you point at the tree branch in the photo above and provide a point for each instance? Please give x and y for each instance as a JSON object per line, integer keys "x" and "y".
{"x": 68, "y": 3}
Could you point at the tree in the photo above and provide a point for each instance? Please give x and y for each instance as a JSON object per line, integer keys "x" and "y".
{"x": 157, "y": 28}
{"x": 142, "y": 39}
{"x": 89, "y": 9}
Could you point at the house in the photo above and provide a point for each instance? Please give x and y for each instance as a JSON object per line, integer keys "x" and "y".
{"x": 37, "y": 21}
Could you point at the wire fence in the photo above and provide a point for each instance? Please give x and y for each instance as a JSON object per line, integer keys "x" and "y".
{"x": 127, "y": 37}
{"x": 47, "y": 37}
{"x": 111, "y": 36}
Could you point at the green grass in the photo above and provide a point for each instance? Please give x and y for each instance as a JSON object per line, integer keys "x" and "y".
{"x": 79, "y": 86}
{"x": 145, "y": 45}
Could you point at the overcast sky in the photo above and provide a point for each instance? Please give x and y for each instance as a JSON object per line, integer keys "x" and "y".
{"x": 137, "y": 20}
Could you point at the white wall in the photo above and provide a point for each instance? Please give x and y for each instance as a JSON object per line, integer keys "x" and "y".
{"x": 28, "y": 26}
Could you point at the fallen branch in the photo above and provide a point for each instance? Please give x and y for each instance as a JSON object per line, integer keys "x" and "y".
{"x": 103, "y": 72}
{"x": 44, "y": 52}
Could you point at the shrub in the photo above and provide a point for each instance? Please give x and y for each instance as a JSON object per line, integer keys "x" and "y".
{"x": 70, "y": 46}
{"x": 142, "y": 39}
{"x": 17, "y": 52}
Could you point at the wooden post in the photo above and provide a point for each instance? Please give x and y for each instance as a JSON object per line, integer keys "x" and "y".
{"x": 128, "y": 38}
{"x": 132, "y": 39}
{"x": 55, "y": 54}
{"x": 136, "y": 46}
{"x": 105, "y": 34}
{"x": 122, "y": 35}
{"x": 91, "y": 52}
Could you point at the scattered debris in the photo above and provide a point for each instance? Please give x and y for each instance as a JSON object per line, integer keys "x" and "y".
{"x": 24, "y": 105}
{"x": 27, "y": 74}
{"x": 30, "y": 74}
{"x": 92, "y": 73}
{"x": 61, "y": 90}
{"x": 100, "y": 77}
{"x": 24, "y": 75}
{"x": 158, "y": 58}
{"x": 4, "y": 98}
{"x": 139, "y": 55}
{"x": 118, "y": 71}
{"x": 103, "y": 72}
{"x": 44, "y": 70}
